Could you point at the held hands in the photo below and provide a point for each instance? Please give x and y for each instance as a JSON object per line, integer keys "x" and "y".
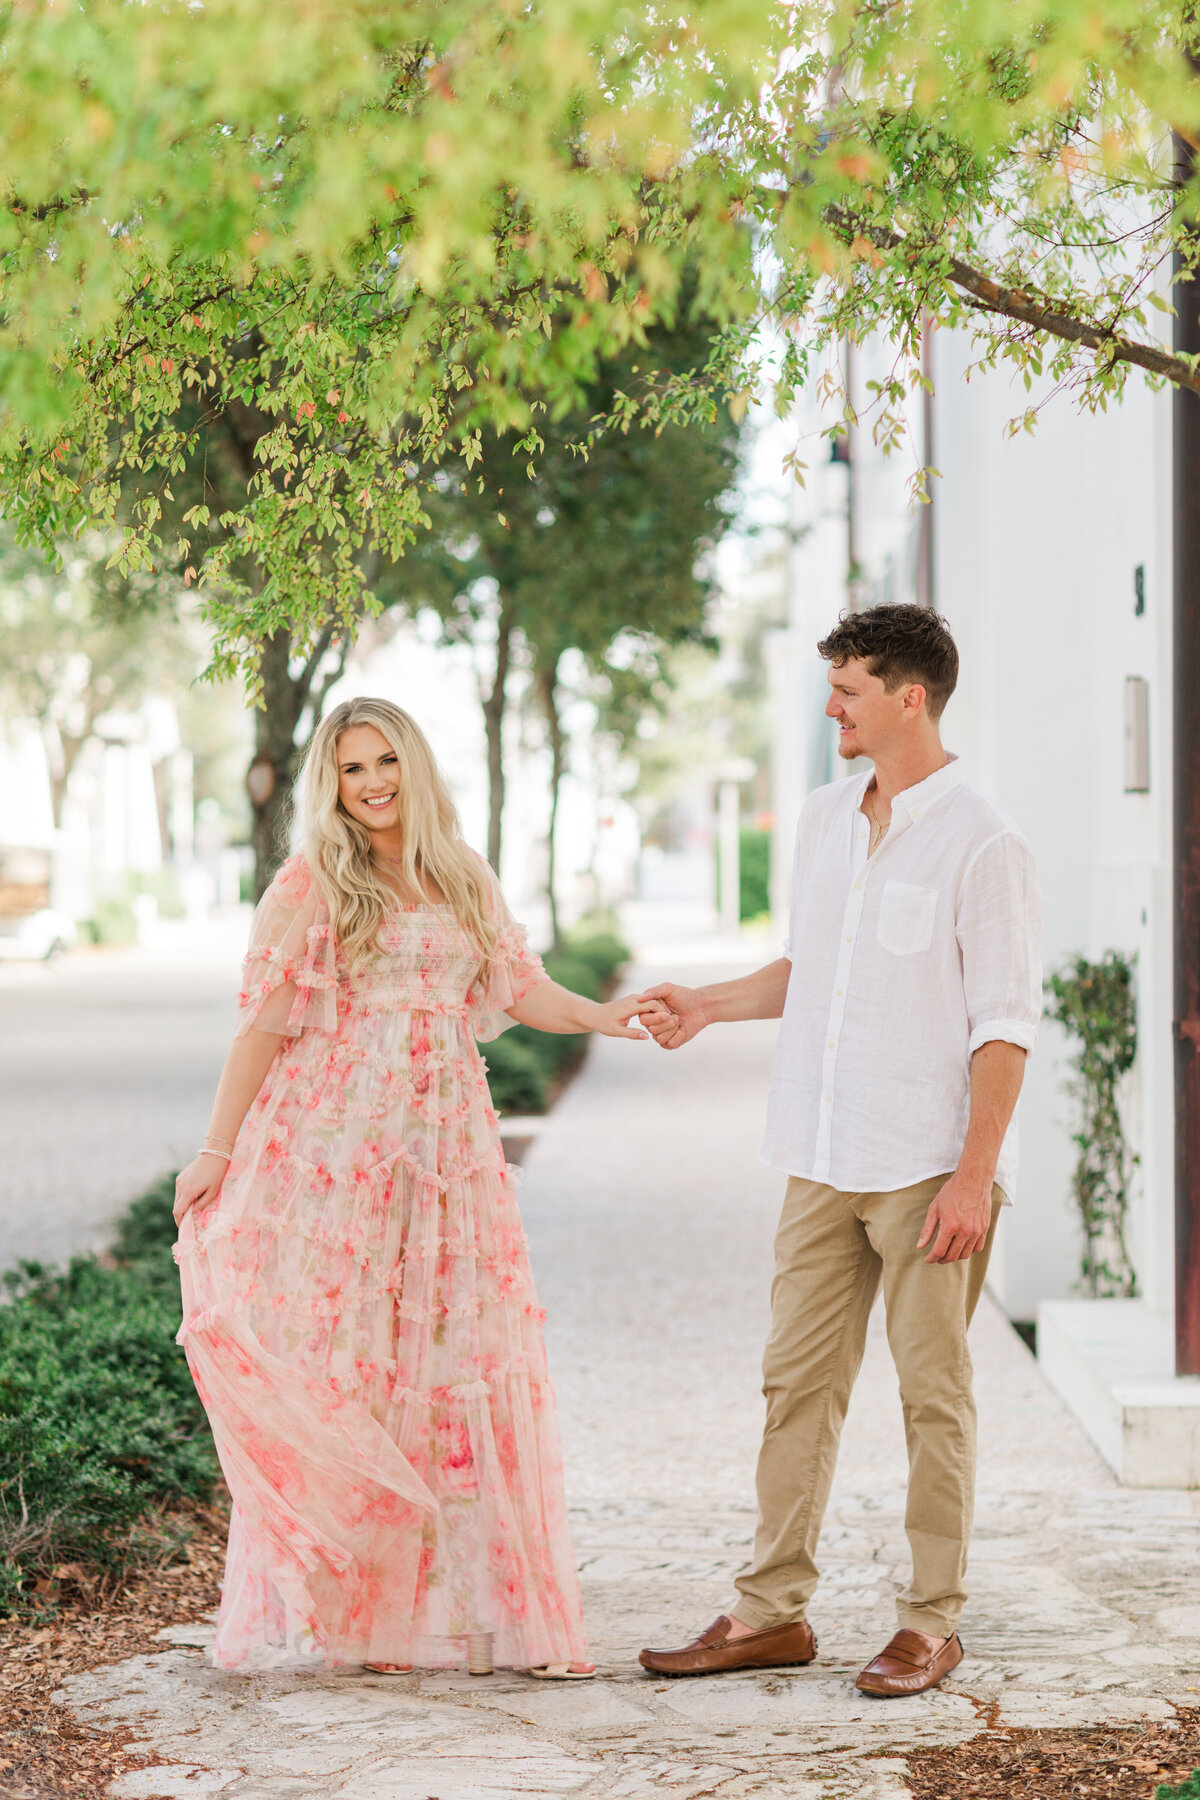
{"x": 958, "y": 1219}
{"x": 613, "y": 1018}
{"x": 672, "y": 1014}
{"x": 198, "y": 1184}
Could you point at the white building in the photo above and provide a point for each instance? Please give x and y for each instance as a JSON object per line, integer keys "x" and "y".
{"x": 1050, "y": 557}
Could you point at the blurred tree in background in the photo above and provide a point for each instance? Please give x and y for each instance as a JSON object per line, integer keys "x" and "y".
{"x": 81, "y": 640}
{"x": 601, "y": 546}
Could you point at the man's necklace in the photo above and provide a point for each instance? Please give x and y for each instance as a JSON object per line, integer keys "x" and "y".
{"x": 878, "y": 831}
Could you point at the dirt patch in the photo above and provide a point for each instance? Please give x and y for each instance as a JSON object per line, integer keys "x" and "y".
{"x": 44, "y": 1753}
{"x": 1125, "y": 1762}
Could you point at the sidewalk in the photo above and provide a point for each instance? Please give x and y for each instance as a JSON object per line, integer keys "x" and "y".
{"x": 651, "y": 1223}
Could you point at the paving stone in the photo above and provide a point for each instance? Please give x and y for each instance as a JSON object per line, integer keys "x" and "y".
{"x": 489, "y": 1767}
{"x": 179, "y": 1780}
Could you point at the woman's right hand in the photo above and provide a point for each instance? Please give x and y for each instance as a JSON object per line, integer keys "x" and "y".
{"x": 198, "y": 1184}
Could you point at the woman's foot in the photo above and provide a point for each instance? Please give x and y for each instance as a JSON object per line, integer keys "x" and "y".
{"x": 576, "y": 1671}
{"x": 389, "y": 1668}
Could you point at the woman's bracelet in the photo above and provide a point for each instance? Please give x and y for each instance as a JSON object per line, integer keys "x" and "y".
{"x": 207, "y": 1150}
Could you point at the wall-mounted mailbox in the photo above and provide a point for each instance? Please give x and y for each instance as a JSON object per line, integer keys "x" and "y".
{"x": 1137, "y": 735}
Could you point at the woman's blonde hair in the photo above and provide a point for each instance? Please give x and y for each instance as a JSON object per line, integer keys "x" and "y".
{"x": 338, "y": 848}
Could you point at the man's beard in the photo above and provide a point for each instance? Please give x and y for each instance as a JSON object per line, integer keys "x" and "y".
{"x": 845, "y": 749}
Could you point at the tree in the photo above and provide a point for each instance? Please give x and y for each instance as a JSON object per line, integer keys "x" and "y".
{"x": 596, "y": 545}
{"x": 363, "y": 241}
{"x": 78, "y": 641}
{"x": 473, "y": 171}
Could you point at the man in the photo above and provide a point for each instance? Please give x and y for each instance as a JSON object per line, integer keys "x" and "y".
{"x": 910, "y": 992}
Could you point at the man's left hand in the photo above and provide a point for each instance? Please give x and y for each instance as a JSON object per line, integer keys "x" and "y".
{"x": 957, "y": 1223}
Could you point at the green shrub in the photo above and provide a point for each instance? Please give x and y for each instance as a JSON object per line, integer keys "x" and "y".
{"x": 524, "y": 1064}
{"x": 145, "y": 1235}
{"x": 112, "y": 922}
{"x": 602, "y": 951}
{"x": 100, "y": 1422}
{"x": 754, "y": 865}
{"x": 516, "y": 1076}
{"x": 1187, "y": 1790}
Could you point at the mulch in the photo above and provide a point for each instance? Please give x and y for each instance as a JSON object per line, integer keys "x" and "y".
{"x": 45, "y": 1754}
{"x": 1108, "y": 1762}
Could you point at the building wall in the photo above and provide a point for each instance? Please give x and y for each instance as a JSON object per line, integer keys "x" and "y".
{"x": 1036, "y": 542}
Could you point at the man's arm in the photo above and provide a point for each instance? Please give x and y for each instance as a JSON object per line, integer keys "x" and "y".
{"x": 956, "y": 1225}
{"x": 757, "y": 996}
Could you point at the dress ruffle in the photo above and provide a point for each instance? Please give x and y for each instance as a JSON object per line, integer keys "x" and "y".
{"x": 361, "y": 1320}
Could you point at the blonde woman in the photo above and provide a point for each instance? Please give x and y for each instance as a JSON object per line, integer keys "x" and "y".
{"x": 359, "y": 1314}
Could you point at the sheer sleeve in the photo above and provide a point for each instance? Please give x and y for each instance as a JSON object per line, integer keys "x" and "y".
{"x": 289, "y": 980}
{"x": 515, "y": 969}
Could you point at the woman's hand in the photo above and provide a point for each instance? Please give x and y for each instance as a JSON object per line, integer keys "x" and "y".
{"x": 198, "y": 1184}
{"x": 613, "y": 1018}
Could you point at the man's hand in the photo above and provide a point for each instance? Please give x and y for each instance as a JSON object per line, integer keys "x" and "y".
{"x": 958, "y": 1219}
{"x": 682, "y": 1014}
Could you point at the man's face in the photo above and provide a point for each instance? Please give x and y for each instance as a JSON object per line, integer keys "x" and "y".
{"x": 869, "y": 719}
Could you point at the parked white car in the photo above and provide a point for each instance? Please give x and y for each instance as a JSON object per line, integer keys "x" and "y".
{"x": 37, "y": 936}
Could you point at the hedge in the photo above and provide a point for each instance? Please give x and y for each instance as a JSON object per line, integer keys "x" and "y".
{"x": 100, "y": 1425}
{"x": 523, "y": 1064}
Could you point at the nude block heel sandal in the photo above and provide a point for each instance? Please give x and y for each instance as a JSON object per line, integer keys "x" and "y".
{"x": 479, "y": 1653}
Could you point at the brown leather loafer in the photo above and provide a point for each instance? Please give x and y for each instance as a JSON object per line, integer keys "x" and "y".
{"x": 779, "y": 1647}
{"x": 911, "y": 1663}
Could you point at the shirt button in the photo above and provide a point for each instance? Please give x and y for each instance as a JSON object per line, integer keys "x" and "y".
{"x": 839, "y": 993}
{"x": 849, "y": 940}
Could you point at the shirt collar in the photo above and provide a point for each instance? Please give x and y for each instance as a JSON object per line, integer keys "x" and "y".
{"x": 915, "y": 799}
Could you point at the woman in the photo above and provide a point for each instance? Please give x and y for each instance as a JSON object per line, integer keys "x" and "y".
{"x": 359, "y": 1314}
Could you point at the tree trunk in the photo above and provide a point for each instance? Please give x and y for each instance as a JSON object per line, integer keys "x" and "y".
{"x": 273, "y": 771}
{"x": 493, "y": 717}
{"x": 547, "y": 687}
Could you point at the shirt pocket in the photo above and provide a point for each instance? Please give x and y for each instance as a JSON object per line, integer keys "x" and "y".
{"x": 906, "y": 915}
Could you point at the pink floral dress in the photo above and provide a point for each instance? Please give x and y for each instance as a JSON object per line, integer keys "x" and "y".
{"x": 360, "y": 1318}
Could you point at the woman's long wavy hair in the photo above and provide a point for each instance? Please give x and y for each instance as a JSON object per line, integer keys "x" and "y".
{"x": 338, "y": 848}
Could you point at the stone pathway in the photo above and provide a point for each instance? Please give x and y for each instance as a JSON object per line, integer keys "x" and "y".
{"x": 651, "y": 1225}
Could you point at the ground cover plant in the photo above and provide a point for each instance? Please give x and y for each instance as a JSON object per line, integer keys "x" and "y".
{"x": 101, "y": 1431}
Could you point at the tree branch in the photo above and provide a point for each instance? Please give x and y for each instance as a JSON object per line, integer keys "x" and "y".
{"x": 1028, "y": 309}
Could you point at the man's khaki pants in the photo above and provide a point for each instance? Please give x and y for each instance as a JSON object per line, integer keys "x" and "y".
{"x": 831, "y": 1251}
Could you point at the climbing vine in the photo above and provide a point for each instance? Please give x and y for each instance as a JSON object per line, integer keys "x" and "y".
{"x": 1095, "y": 1003}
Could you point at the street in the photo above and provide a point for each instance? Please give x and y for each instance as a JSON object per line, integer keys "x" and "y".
{"x": 108, "y": 1062}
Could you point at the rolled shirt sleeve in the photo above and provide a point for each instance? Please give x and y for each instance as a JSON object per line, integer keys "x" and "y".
{"x": 999, "y": 928}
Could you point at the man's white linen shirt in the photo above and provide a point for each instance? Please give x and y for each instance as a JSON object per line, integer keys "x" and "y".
{"x": 903, "y": 964}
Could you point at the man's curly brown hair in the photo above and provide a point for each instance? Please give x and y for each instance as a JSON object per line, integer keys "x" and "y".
{"x": 900, "y": 644}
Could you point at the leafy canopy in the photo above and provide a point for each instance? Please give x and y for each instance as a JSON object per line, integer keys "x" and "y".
{"x": 381, "y": 228}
